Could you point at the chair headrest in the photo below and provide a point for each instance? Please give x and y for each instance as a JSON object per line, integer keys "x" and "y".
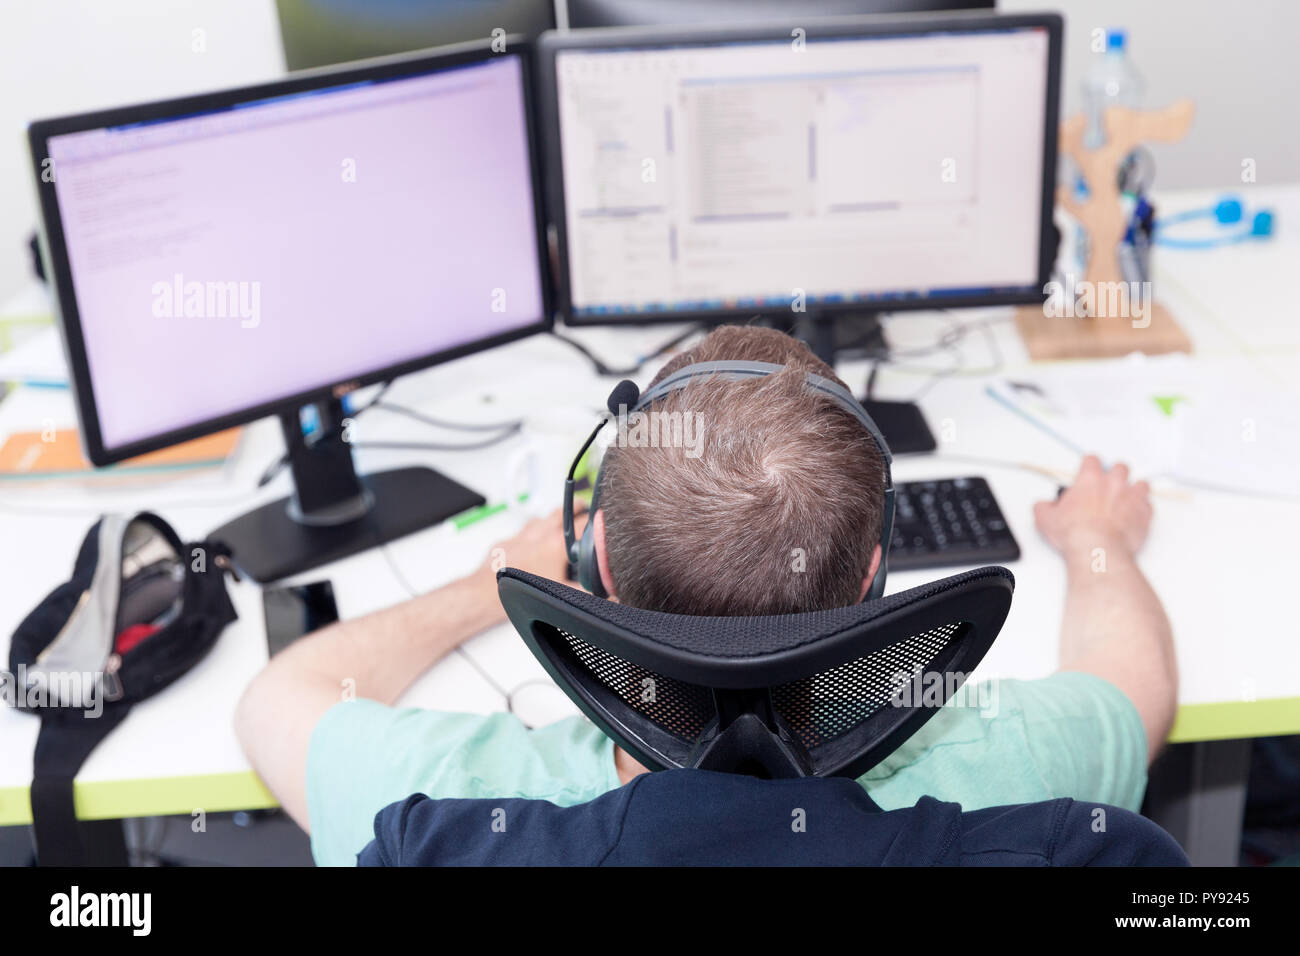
{"x": 814, "y": 694}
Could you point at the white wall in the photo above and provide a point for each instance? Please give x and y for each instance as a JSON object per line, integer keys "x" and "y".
{"x": 1236, "y": 58}
{"x": 65, "y": 56}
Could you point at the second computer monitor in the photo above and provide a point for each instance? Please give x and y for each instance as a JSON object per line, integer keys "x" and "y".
{"x": 862, "y": 164}
{"x": 581, "y": 14}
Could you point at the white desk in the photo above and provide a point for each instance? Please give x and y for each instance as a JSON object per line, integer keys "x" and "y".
{"x": 1223, "y": 564}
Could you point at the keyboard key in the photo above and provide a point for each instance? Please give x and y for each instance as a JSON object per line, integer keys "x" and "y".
{"x": 948, "y": 523}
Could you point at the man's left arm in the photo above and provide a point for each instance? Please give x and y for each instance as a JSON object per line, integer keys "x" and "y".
{"x": 377, "y": 657}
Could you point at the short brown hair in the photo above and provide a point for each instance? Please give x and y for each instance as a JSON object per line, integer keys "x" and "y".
{"x": 779, "y": 512}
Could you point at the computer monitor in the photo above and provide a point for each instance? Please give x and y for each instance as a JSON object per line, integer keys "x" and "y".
{"x": 581, "y": 14}
{"x": 322, "y": 32}
{"x": 225, "y": 257}
{"x": 850, "y": 165}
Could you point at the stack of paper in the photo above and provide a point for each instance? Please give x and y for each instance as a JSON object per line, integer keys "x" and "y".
{"x": 1218, "y": 424}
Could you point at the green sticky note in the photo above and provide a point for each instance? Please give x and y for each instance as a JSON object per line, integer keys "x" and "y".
{"x": 1166, "y": 403}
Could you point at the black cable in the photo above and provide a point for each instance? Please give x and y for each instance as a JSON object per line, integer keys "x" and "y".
{"x": 954, "y": 332}
{"x": 946, "y": 342}
{"x": 605, "y": 370}
{"x": 273, "y": 469}
{"x": 276, "y": 466}
{"x": 938, "y": 375}
{"x": 383, "y": 390}
{"x": 504, "y": 430}
{"x": 435, "y": 446}
{"x": 443, "y": 423}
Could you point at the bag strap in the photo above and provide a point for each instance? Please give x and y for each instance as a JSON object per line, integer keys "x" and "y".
{"x": 66, "y": 739}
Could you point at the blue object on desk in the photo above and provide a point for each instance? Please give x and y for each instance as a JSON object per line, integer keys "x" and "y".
{"x": 1227, "y": 211}
{"x": 38, "y": 383}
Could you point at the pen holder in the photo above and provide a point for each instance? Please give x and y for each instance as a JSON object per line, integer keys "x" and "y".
{"x": 1105, "y": 313}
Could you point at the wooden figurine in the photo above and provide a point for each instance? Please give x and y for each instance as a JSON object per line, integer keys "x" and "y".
{"x": 1105, "y": 322}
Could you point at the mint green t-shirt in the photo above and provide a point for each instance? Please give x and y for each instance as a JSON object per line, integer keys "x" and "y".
{"x": 1068, "y": 735}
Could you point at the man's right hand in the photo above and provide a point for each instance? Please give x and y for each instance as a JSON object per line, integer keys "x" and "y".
{"x": 1113, "y": 625}
{"x": 1100, "y": 508}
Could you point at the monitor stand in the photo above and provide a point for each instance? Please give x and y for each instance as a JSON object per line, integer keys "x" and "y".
{"x": 334, "y": 512}
{"x": 902, "y": 423}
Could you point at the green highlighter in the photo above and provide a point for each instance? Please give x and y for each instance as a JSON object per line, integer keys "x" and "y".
{"x": 584, "y": 483}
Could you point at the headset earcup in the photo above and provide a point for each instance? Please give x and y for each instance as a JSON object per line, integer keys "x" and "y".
{"x": 588, "y": 566}
{"x": 877, "y": 589}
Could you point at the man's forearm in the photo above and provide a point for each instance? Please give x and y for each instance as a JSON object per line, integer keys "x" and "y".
{"x": 1116, "y": 628}
{"x": 377, "y": 657}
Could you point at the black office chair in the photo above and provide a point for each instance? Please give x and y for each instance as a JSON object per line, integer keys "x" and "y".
{"x": 818, "y": 694}
{"x": 814, "y": 695}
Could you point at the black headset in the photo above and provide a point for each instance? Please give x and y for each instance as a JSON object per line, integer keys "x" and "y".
{"x": 627, "y": 398}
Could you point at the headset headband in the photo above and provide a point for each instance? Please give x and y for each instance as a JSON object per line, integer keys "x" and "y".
{"x": 740, "y": 370}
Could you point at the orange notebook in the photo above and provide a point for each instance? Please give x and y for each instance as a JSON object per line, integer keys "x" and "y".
{"x": 28, "y": 455}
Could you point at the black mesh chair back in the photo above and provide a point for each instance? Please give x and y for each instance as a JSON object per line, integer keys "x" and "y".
{"x": 827, "y": 693}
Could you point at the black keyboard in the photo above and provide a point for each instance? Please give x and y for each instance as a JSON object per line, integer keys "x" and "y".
{"x": 945, "y": 523}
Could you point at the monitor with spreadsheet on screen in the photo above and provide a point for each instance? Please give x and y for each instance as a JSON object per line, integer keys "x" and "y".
{"x": 850, "y": 164}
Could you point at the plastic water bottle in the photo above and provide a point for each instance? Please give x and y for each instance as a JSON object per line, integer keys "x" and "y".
{"x": 1111, "y": 80}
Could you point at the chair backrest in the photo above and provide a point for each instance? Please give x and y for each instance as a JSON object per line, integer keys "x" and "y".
{"x": 826, "y": 693}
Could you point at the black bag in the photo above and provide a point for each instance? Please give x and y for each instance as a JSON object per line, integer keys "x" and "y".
{"x": 140, "y": 610}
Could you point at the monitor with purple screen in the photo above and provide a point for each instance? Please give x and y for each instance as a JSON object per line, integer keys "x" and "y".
{"x": 223, "y": 258}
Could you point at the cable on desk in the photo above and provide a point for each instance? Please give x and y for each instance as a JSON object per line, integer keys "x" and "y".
{"x": 397, "y": 572}
{"x": 459, "y": 649}
{"x": 437, "y": 446}
{"x": 507, "y": 695}
{"x": 275, "y": 467}
{"x": 939, "y": 375}
{"x": 531, "y": 682}
{"x": 442, "y": 422}
{"x": 504, "y": 429}
{"x": 606, "y": 370}
{"x": 951, "y": 334}
{"x": 487, "y": 678}
{"x": 946, "y": 342}
{"x": 271, "y": 470}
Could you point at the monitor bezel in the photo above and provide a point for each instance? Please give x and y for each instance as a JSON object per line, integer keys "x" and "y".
{"x": 670, "y": 10}
{"x": 54, "y": 248}
{"x": 552, "y": 43}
